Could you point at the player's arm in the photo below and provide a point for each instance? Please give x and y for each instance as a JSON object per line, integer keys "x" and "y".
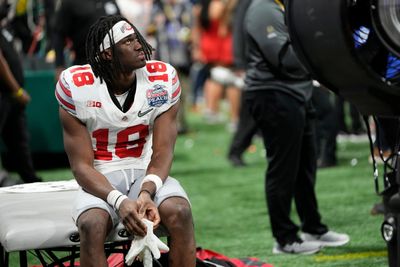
{"x": 164, "y": 137}
{"x": 78, "y": 146}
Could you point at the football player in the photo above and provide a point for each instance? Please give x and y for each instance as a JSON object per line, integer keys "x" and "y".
{"x": 119, "y": 123}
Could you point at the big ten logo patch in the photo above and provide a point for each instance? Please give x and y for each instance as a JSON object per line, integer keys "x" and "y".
{"x": 93, "y": 104}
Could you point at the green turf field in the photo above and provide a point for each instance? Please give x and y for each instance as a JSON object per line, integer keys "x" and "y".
{"x": 229, "y": 208}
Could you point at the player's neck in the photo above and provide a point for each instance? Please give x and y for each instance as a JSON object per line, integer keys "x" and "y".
{"x": 123, "y": 84}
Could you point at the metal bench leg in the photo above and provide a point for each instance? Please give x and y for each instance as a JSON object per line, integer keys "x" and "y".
{"x": 23, "y": 259}
{"x": 4, "y": 257}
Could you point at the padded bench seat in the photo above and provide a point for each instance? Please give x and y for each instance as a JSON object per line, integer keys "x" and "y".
{"x": 38, "y": 217}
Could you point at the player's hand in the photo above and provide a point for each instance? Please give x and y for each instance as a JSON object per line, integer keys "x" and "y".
{"x": 148, "y": 209}
{"x": 129, "y": 214}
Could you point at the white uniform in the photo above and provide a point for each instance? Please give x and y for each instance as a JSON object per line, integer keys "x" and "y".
{"x": 119, "y": 139}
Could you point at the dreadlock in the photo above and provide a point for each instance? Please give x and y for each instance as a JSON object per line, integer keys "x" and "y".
{"x": 105, "y": 69}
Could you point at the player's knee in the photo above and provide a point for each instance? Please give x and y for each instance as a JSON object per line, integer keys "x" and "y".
{"x": 92, "y": 226}
{"x": 178, "y": 216}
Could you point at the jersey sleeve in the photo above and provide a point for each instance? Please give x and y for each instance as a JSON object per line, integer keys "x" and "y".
{"x": 64, "y": 96}
{"x": 175, "y": 86}
{"x": 165, "y": 86}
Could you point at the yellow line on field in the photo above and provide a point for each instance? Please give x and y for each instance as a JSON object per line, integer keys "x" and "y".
{"x": 351, "y": 256}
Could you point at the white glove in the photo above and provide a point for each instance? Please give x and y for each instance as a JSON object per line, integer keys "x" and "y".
{"x": 143, "y": 247}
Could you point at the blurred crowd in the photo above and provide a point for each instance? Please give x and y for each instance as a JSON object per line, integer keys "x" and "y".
{"x": 200, "y": 38}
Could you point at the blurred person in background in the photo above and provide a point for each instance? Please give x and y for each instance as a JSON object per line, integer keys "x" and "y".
{"x": 327, "y": 125}
{"x": 22, "y": 21}
{"x": 49, "y": 14}
{"x": 278, "y": 92}
{"x": 171, "y": 24}
{"x": 13, "y": 101}
{"x": 31, "y": 25}
{"x": 212, "y": 45}
{"x": 247, "y": 128}
{"x": 71, "y": 25}
{"x": 137, "y": 12}
{"x": 348, "y": 114}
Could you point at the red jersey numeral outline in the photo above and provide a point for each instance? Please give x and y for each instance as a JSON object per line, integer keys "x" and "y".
{"x": 157, "y": 67}
{"x": 81, "y": 77}
{"x": 124, "y": 148}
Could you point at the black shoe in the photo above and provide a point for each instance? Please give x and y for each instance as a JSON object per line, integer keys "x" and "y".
{"x": 8, "y": 181}
{"x": 236, "y": 161}
{"x": 378, "y": 209}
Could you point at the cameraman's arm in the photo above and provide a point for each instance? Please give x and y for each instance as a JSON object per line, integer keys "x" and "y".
{"x": 13, "y": 86}
{"x": 7, "y": 76}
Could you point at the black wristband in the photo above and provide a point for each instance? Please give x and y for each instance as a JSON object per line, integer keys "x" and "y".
{"x": 147, "y": 191}
{"x": 115, "y": 204}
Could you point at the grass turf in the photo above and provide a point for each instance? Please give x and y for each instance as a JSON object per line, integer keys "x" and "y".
{"x": 229, "y": 205}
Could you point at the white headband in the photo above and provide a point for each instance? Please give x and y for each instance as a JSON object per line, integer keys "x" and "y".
{"x": 119, "y": 31}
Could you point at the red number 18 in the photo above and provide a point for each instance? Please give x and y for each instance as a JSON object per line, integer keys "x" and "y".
{"x": 124, "y": 147}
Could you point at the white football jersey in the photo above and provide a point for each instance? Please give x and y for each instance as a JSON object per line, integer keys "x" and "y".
{"x": 119, "y": 139}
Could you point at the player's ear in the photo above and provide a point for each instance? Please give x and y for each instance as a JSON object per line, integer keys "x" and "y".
{"x": 106, "y": 54}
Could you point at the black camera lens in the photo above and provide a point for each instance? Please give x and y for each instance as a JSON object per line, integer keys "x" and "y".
{"x": 389, "y": 17}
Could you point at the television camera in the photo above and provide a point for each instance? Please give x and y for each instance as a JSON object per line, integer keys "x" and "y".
{"x": 353, "y": 48}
